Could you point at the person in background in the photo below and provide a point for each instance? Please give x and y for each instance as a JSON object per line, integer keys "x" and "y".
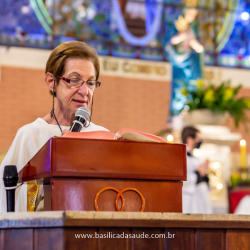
{"x": 195, "y": 197}
{"x": 71, "y": 75}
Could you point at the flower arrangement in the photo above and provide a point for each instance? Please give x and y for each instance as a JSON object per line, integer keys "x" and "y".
{"x": 222, "y": 98}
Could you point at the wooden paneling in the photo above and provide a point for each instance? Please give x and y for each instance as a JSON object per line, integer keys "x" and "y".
{"x": 179, "y": 239}
{"x": 80, "y": 238}
{"x": 17, "y": 239}
{"x": 114, "y": 239}
{"x": 207, "y": 239}
{"x": 139, "y": 240}
{"x": 48, "y": 239}
{"x": 238, "y": 239}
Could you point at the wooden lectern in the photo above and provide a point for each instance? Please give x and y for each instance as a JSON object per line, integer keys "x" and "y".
{"x": 74, "y": 171}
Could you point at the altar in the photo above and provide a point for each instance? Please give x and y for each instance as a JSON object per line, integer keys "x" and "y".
{"x": 123, "y": 230}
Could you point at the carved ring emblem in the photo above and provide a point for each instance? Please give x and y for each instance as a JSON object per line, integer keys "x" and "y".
{"x": 119, "y": 194}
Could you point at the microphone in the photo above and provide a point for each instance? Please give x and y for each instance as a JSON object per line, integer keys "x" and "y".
{"x": 81, "y": 116}
{"x": 10, "y": 178}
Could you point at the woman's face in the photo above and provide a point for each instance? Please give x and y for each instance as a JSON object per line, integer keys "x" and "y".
{"x": 70, "y": 99}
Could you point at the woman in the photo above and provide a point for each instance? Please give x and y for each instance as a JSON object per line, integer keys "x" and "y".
{"x": 71, "y": 75}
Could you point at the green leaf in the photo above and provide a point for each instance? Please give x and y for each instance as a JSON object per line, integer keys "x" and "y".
{"x": 217, "y": 98}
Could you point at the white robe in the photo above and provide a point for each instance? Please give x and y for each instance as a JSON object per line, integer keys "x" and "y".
{"x": 243, "y": 206}
{"x": 195, "y": 197}
{"x": 27, "y": 142}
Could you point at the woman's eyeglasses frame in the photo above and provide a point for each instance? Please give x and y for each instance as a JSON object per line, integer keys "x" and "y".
{"x": 97, "y": 83}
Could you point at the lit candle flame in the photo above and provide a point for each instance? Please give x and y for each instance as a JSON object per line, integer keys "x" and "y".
{"x": 170, "y": 138}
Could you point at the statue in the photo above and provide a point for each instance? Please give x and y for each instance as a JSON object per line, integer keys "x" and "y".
{"x": 186, "y": 56}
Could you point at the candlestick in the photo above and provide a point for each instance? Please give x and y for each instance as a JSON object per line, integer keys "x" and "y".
{"x": 243, "y": 153}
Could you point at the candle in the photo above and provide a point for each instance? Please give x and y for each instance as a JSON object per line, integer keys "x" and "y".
{"x": 170, "y": 139}
{"x": 243, "y": 153}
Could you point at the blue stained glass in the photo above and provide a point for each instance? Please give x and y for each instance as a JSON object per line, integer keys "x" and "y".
{"x": 46, "y": 23}
{"x": 18, "y": 16}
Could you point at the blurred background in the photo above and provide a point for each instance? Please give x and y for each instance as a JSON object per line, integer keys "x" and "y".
{"x": 137, "y": 71}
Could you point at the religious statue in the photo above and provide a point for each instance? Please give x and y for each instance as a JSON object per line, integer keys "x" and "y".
{"x": 186, "y": 56}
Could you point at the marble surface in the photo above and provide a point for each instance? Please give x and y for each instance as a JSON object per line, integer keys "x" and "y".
{"x": 62, "y": 215}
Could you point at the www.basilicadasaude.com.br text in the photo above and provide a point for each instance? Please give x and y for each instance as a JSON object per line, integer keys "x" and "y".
{"x": 110, "y": 235}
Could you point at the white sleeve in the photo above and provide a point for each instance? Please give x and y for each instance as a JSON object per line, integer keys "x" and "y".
{"x": 27, "y": 142}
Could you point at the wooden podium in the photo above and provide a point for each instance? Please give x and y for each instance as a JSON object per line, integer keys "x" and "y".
{"x": 74, "y": 171}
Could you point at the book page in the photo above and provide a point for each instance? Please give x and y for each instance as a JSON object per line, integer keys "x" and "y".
{"x": 103, "y": 135}
{"x": 136, "y": 135}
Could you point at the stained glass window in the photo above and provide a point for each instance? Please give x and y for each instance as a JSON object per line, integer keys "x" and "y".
{"x": 129, "y": 28}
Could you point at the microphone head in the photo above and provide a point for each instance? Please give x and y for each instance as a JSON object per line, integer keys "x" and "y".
{"x": 10, "y": 176}
{"x": 10, "y": 171}
{"x": 83, "y": 112}
{"x": 82, "y": 115}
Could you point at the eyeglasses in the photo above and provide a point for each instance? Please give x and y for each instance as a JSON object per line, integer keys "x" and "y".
{"x": 76, "y": 82}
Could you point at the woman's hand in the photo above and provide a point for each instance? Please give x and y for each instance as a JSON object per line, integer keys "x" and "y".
{"x": 65, "y": 131}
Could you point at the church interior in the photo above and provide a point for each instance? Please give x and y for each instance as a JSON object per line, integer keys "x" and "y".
{"x": 167, "y": 68}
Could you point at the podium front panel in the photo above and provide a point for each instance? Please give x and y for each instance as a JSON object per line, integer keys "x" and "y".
{"x": 79, "y": 195}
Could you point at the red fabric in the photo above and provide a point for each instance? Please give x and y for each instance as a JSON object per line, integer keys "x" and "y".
{"x": 235, "y": 197}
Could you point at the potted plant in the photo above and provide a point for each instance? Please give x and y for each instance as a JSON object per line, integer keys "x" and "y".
{"x": 210, "y": 104}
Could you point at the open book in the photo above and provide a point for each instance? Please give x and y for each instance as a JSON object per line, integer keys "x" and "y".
{"x": 122, "y": 134}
